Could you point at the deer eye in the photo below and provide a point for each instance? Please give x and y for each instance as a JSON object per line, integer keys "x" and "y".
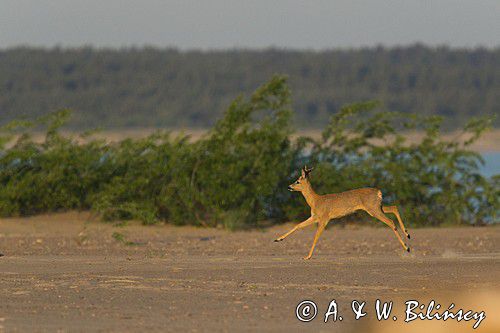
{"x": 297, "y": 182}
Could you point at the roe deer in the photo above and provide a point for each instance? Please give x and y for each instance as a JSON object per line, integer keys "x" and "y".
{"x": 330, "y": 206}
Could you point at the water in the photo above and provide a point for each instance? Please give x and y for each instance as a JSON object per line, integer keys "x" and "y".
{"x": 492, "y": 164}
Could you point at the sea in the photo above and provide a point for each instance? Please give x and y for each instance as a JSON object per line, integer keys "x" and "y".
{"x": 491, "y": 164}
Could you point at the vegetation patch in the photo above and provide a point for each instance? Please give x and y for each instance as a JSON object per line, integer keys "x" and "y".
{"x": 238, "y": 172}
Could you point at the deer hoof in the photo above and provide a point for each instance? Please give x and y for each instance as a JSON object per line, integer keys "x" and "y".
{"x": 307, "y": 258}
{"x": 408, "y": 249}
{"x": 278, "y": 240}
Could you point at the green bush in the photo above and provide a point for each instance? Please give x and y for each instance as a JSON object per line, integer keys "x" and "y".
{"x": 237, "y": 173}
{"x": 433, "y": 182}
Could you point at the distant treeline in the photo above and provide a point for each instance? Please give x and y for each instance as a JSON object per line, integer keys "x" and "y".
{"x": 166, "y": 88}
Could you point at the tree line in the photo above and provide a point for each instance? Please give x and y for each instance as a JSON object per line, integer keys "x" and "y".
{"x": 136, "y": 87}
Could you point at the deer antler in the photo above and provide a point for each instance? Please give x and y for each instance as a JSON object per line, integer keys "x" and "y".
{"x": 307, "y": 171}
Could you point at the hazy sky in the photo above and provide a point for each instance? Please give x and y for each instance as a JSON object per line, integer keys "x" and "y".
{"x": 249, "y": 23}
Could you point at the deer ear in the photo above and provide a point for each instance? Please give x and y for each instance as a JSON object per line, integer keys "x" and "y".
{"x": 304, "y": 174}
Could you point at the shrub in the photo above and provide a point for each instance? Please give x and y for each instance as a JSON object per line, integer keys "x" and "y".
{"x": 237, "y": 173}
{"x": 433, "y": 181}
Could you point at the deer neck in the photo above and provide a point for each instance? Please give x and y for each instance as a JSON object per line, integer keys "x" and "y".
{"x": 310, "y": 195}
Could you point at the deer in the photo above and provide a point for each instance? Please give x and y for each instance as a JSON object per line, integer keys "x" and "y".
{"x": 326, "y": 207}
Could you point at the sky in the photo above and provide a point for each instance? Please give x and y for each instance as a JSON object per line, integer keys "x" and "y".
{"x": 221, "y": 24}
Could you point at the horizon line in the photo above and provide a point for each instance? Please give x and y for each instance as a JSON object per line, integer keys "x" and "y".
{"x": 179, "y": 49}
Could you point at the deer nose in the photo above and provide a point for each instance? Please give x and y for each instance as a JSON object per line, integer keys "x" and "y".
{"x": 290, "y": 188}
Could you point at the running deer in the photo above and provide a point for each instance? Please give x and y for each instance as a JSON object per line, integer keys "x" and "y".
{"x": 329, "y": 206}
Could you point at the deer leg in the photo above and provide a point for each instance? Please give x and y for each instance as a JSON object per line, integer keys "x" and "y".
{"x": 319, "y": 231}
{"x": 301, "y": 225}
{"x": 394, "y": 210}
{"x": 379, "y": 214}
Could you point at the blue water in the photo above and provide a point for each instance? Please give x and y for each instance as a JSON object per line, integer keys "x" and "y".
{"x": 492, "y": 164}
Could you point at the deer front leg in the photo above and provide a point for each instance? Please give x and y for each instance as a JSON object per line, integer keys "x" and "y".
{"x": 319, "y": 231}
{"x": 301, "y": 225}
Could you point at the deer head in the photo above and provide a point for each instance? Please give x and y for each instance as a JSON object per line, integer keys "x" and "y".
{"x": 302, "y": 182}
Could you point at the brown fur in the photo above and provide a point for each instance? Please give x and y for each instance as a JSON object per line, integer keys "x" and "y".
{"x": 330, "y": 206}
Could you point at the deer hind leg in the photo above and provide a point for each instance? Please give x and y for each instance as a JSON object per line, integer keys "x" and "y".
{"x": 379, "y": 214}
{"x": 319, "y": 231}
{"x": 394, "y": 210}
{"x": 301, "y": 225}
